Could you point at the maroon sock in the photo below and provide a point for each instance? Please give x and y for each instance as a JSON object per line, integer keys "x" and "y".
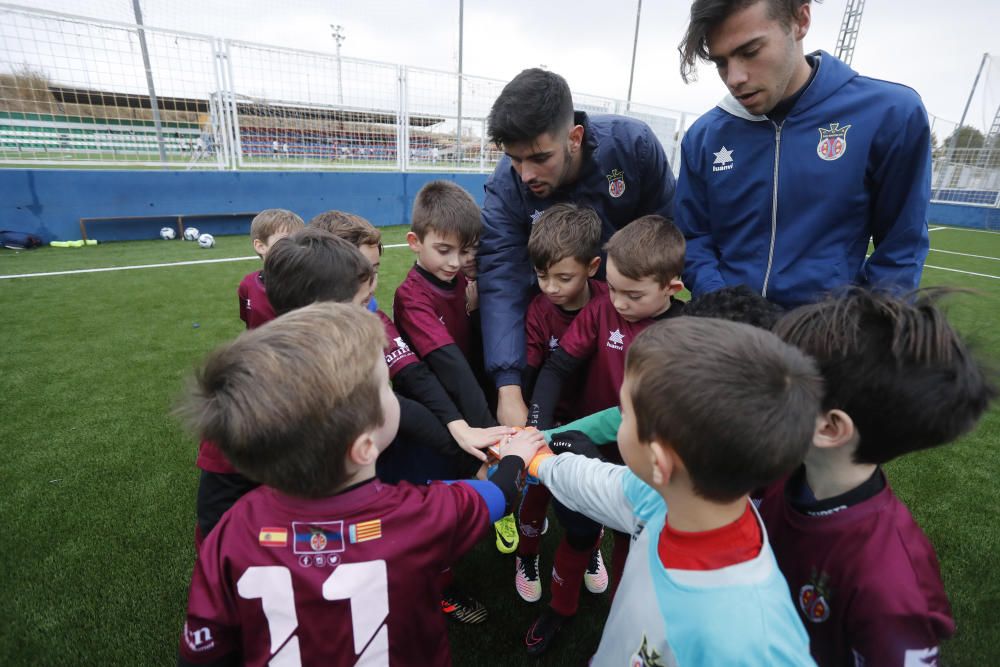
{"x": 531, "y": 518}
{"x": 618, "y": 556}
{"x": 567, "y": 575}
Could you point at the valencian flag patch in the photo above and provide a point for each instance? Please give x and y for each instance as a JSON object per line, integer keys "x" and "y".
{"x": 273, "y": 537}
{"x": 366, "y": 530}
{"x": 318, "y": 538}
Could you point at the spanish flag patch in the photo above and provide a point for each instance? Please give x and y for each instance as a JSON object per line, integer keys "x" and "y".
{"x": 273, "y": 537}
{"x": 366, "y": 530}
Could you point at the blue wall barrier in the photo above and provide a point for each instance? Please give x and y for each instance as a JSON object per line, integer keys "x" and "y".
{"x": 50, "y": 202}
{"x": 962, "y": 215}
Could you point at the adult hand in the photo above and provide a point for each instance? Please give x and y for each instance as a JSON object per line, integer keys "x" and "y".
{"x": 511, "y": 410}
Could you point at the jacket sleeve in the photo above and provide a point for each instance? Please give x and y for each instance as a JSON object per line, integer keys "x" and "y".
{"x": 658, "y": 186}
{"x": 901, "y": 189}
{"x": 701, "y": 265}
{"x": 504, "y": 279}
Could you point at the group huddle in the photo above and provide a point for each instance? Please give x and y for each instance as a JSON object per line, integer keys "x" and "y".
{"x": 540, "y": 353}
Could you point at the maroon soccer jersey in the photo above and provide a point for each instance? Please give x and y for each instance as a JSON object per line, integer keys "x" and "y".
{"x": 544, "y": 324}
{"x": 601, "y": 336}
{"x": 211, "y": 459}
{"x": 255, "y": 309}
{"x": 865, "y": 580}
{"x": 398, "y": 354}
{"x": 350, "y": 579}
{"x": 431, "y": 316}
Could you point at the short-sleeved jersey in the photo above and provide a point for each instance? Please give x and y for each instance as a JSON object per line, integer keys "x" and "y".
{"x": 431, "y": 316}
{"x": 255, "y": 309}
{"x": 398, "y": 354}
{"x": 864, "y": 579}
{"x": 545, "y": 323}
{"x": 601, "y": 336}
{"x": 344, "y": 580}
{"x": 740, "y": 615}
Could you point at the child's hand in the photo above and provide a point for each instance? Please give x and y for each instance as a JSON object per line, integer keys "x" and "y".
{"x": 524, "y": 444}
{"x": 471, "y": 440}
{"x": 471, "y": 296}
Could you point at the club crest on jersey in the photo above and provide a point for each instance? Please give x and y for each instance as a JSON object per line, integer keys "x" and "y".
{"x": 553, "y": 343}
{"x": 814, "y": 596}
{"x": 318, "y": 538}
{"x": 645, "y": 656}
{"x": 616, "y": 183}
{"x": 616, "y": 340}
{"x": 723, "y": 160}
{"x": 832, "y": 142}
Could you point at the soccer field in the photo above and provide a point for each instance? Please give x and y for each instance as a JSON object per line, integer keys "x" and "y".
{"x": 99, "y": 479}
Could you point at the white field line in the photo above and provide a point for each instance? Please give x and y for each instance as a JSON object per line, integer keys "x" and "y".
{"x": 148, "y": 266}
{"x": 963, "y": 229}
{"x": 935, "y": 229}
{"x": 965, "y": 254}
{"x": 968, "y": 273}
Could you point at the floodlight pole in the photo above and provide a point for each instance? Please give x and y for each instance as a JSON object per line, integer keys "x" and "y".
{"x": 153, "y": 104}
{"x": 339, "y": 37}
{"x": 635, "y": 44}
{"x": 961, "y": 123}
{"x": 461, "y": 36}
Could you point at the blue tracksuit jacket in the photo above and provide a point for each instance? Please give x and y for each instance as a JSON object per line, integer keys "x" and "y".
{"x": 789, "y": 209}
{"x": 624, "y": 176}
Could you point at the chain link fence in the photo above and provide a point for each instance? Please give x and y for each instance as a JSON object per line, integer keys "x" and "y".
{"x": 84, "y": 91}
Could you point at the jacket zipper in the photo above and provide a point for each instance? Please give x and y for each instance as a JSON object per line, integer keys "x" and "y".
{"x": 774, "y": 207}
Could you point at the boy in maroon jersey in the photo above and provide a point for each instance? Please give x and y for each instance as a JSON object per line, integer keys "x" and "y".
{"x": 564, "y": 248}
{"x": 219, "y": 484}
{"x": 266, "y": 228}
{"x": 411, "y": 378}
{"x": 645, "y": 260}
{"x": 863, "y": 575}
{"x": 324, "y": 564}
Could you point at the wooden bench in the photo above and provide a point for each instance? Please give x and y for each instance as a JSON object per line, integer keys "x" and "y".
{"x": 179, "y": 218}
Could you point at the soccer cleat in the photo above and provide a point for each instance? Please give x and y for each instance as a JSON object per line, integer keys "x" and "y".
{"x": 507, "y": 539}
{"x": 543, "y": 631}
{"x": 463, "y": 609}
{"x": 526, "y": 580}
{"x": 596, "y": 576}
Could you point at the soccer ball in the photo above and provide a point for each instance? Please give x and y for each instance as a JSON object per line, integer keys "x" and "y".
{"x": 168, "y": 233}
{"x": 191, "y": 234}
{"x": 206, "y": 240}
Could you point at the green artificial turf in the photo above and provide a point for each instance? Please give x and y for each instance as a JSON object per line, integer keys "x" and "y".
{"x": 99, "y": 478}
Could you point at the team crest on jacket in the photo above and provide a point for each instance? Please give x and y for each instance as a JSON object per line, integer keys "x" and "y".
{"x": 813, "y": 598}
{"x": 832, "y": 141}
{"x": 616, "y": 183}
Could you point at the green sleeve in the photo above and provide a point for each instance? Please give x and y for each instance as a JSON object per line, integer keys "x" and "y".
{"x": 600, "y": 427}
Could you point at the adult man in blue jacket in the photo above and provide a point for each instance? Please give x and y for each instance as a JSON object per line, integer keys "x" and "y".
{"x": 612, "y": 164}
{"x": 784, "y": 183}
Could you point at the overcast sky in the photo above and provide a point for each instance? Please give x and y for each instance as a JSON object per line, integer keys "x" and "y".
{"x": 930, "y": 45}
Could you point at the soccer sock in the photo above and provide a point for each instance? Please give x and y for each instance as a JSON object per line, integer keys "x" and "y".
{"x": 618, "y": 556}
{"x": 531, "y": 518}
{"x": 567, "y": 575}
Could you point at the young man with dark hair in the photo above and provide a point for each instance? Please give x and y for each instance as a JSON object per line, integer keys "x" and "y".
{"x": 552, "y": 154}
{"x": 784, "y": 183}
{"x": 324, "y": 564}
{"x": 863, "y": 575}
{"x": 711, "y": 410}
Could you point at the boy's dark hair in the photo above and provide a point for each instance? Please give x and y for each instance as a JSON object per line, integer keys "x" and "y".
{"x": 286, "y": 400}
{"x": 648, "y": 246}
{"x": 565, "y": 230}
{"x": 313, "y": 265}
{"x": 446, "y": 208}
{"x": 895, "y": 366}
{"x": 737, "y": 404}
{"x": 535, "y": 102}
{"x": 273, "y": 220}
{"x": 706, "y": 15}
{"x": 352, "y": 228}
{"x": 736, "y": 303}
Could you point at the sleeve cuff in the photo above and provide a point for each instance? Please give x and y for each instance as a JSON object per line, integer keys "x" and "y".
{"x": 506, "y": 377}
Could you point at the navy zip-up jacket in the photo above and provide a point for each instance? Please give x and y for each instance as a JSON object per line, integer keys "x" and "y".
{"x": 624, "y": 175}
{"x": 788, "y": 209}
